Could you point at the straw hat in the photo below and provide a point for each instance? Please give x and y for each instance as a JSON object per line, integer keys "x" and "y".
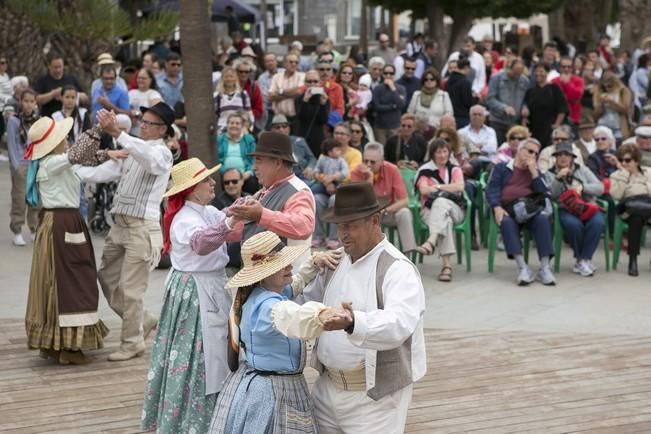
{"x": 45, "y": 135}
{"x": 263, "y": 255}
{"x": 188, "y": 173}
{"x": 105, "y": 59}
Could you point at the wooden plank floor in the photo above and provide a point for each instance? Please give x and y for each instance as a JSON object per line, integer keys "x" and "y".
{"x": 479, "y": 382}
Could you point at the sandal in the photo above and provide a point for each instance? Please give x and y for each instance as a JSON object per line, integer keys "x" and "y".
{"x": 427, "y": 248}
{"x": 445, "y": 277}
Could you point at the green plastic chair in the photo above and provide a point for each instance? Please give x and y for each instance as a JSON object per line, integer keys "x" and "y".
{"x": 482, "y": 208}
{"x": 462, "y": 233}
{"x": 408, "y": 177}
{"x": 620, "y": 227}
{"x": 493, "y": 231}
{"x": 558, "y": 236}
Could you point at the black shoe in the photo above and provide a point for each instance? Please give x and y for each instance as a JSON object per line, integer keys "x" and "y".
{"x": 632, "y": 266}
{"x": 474, "y": 245}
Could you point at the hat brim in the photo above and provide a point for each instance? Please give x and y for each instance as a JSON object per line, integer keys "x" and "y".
{"x": 191, "y": 182}
{"x": 272, "y": 155}
{"x": 555, "y": 154}
{"x": 255, "y": 273}
{"x": 329, "y": 215}
{"x": 60, "y": 132}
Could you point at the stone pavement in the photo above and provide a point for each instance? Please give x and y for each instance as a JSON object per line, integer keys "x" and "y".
{"x": 607, "y": 303}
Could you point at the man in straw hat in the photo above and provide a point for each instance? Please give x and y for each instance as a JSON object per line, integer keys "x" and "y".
{"x": 134, "y": 243}
{"x": 368, "y": 367}
{"x": 107, "y": 59}
{"x": 285, "y": 205}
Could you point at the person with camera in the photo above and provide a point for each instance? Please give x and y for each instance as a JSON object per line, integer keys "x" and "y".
{"x": 312, "y": 110}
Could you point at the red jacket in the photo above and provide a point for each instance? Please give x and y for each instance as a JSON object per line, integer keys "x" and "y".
{"x": 573, "y": 91}
{"x": 336, "y": 96}
{"x": 255, "y": 94}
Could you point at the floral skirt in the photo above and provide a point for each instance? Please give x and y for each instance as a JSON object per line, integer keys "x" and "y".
{"x": 175, "y": 399}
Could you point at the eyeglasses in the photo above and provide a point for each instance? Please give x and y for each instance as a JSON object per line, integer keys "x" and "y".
{"x": 531, "y": 152}
{"x": 280, "y": 126}
{"x": 312, "y": 81}
{"x": 108, "y": 78}
{"x": 566, "y": 66}
{"x": 561, "y": 139}
{"x": 626, "y": 160}
{"x": 175, "y": 64}
{"x": 346, "y": 73}
{"x": 292, "y": 61}
{"x": 242, "y": 72}
{"x": 145, "y": 123}
{"x": 324, "y": 69}
{"x": 231, "y": 181}
{"x": 369, "y": 162}
{"x": 356, "y": 131}
{"x": 519, "y": 139}
{"x": 388, "y": 73}
{"x": 409, "y": 68}
{"x": 430, "y": 79}
{"x": 340, "y": 133}
{"x": 406, "y": 126}
{"x": 601, "y": 139}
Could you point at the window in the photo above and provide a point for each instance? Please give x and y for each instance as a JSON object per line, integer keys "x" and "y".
{"x": 353, "y": 17}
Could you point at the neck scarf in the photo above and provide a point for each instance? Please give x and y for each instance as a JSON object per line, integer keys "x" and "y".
{"x": 427, "y": 96}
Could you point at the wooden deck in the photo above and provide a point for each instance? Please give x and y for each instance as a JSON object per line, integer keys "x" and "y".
{"x": 480, "y": 382}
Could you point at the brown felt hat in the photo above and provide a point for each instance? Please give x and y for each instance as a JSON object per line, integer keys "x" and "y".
{"x": 274, "y": 145}
{"x": 354, "y": 201}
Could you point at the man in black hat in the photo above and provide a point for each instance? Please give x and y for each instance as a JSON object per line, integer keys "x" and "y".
{"x": 367, "y": 372}
{"x": 134, "y": 243}
{"x": 285, "y": 205}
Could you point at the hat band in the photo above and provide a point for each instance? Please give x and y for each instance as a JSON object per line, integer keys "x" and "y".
{"x": 199, "y": 172}
{"x": 30, "y": 148}
{"x": 260, "y": 258}
{"x": 341, "y": 211}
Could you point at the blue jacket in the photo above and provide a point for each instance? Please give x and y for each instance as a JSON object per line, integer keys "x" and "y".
{"x": 247, "y": 145}
{"x": 500, "y": 176}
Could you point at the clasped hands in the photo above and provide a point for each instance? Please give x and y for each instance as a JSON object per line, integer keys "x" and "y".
{"x": 246, "y": 208}
{"x": 337, "y": 317}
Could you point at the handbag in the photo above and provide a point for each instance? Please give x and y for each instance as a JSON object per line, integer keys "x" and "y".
{"x": 573, "y": 203}
{"x": 454, "y": 197}
{"x": 525, "y": 208}
{"x": 635, "y": 205}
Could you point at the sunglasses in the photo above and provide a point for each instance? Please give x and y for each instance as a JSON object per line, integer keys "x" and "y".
{"x": 243, "y": 72}
{"x": 430, "y": 79}
{"x": 346, "y": 73}
{"x": 406, "y": 125}
{"x": 356, "y": 131}
{"x": 175, "y": 64}
{"x": 281, "y": 126}
{"x": 369, "y": 162}
{"x": 312, "y": 81}
{"x": 325, "y": 69}
{"x": 409, "y": 68}
{"x": 231, "y": 181}
{"x": 601, "y": 139}
{"x": 626, "y": 160}
{"x": 518, "y": 138}
{"x": 531, "y": 152}
{"x": 641, "y": 137}
{"x": 561, "y": 139}
{"x": 388, "y": 73}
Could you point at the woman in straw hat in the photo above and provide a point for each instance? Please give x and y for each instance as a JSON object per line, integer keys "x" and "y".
{"x": 268, "y": 393}
{"x": 188, "y": 360}
{"x": 62, "y": 317}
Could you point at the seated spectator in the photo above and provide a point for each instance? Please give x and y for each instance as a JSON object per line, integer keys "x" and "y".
{"x": 312, "y": 110}
{"x": 440, "y": 185}
{"x": 507, "y": 151}
{"x": 232, "y": 181}
{"x": 430, "y": 102}
{"x": 230, "y": 97}
{"x": 352, "y": 155}
{"x": 643, "y": 142}
{"x": 407, "y": 148}
{"x": 585, "y": 142}
{"x": 481, "y": 137}
{"x": 603, "y": 161}
{"x": 517, "y": 183}
{"x": 357, "y": 136}
{"x": 631, "y": 185}
{"x": 234, "y": 148}
{"x": 303, "y": 156}
{"x": 387, "y": 183}
{"x": 330, "y": 170}
{"x": 568, "y": 182}
{"x": 560, "y": 134}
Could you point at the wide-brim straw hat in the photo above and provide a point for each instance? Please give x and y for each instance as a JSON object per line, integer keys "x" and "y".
{"x": 263, "y": 255}
{"x": 45, "y": 135}
{"x": 187, "y": 174}
{"x": 105, "y": 59}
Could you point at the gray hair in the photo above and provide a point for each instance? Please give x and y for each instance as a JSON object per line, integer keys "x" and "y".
{"x": 17, "y": 80}
{"x": 242, "y": 61}
{"x": 601, "y": 129}
{"x": 377, "y": 60}
{"x": 525, "y": 142}
{"x": 563, "y": 129}
{"x": 375, "y": 146}
{"x": 345, "y": 125}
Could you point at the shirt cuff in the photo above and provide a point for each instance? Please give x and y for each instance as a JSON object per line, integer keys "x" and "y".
{"x": 358, "y": 336}
{"x": 265, "y": 218}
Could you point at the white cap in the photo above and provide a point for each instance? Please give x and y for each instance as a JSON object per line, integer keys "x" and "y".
{"x": 123, "y": 121}
{"x": 365, "y": 80}
{"x": 643, "y": 131}
{"x": 297, "y": 44}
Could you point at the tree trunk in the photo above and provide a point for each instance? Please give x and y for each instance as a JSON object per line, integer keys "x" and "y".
{"x": 436, "y": 29}
{"x": 363, "y": 28}
{"x": 460, "y": 27}
{"x": 197, "y": 81}
{"x": 634, "y": 16}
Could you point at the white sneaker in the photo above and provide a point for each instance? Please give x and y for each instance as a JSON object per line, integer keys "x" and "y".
{"x": 583, "y": 268}
{"x": 19, "y": 240}
{"x": 546, "y": 277}
{"x": 590, "y": 265}
{"x": 525, "y": 276}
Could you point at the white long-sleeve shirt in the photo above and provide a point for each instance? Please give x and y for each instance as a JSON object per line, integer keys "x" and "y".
{"x": 478, "y": 66}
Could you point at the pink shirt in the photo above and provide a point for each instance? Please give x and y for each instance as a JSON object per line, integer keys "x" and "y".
{"x": 457, "y": 175}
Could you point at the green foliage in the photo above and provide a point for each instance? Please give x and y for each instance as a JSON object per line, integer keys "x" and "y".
{"x": 474, "y": 8}
{"x": 93, "y": 20}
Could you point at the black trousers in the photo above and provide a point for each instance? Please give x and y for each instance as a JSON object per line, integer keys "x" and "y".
{"x": 635, "y": 225}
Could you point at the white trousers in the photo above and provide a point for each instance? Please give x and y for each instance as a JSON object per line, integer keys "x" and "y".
{"x": 353, "y": 412}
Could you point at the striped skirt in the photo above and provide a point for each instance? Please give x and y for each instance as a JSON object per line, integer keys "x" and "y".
{"x": 83, "y": 329}
{"x": 255, "y": 403}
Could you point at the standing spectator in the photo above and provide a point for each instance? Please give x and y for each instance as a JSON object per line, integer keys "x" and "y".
{"x": 17, "y": 127}
{"x": 375, "y": 67}
{"x": 333, "y": 90}
{"x": 606, "y": 53}
{"x": 70, "y": 109}
{"x": 312, "y": 110}
{"x": 284, "y": 88}
{"x": 598, "y": 71}
{"x": 170, "y": 81}
{"x": 230, "y": 98}
{"x": 234, "y": 148}
{"x": 590, "y": 86}
{"x": 425, "y": 59}
{"x": 505, "y": 97}
{"x": 550, "y": 58}
{"x": 387, "y": 183}
{"x": 415, "y": 47}
{"x": 572, "y": 87}
{"x": 399, "y": 60}
{"x": 233, "y": 181}
{"x": 144, "y": 95}
{"x": 612, "y": 104}
{"x": 487, "y": 47}
{"x": 383, "y": 50}
{"x": 304, "y": 63}
{"x": 408, "y": 147}
{"x": 459, "y": 89}
{"x": 245, "y": 69}
{"x": 347, "y": 79}
{"x": 148, "y": 61}
{"x": 639, "y": 81}
{"x": 107, "y": 59}
{"x": 50, "y": 85}
{"x": 109, "y": 96}
{"x": 430, "y": 102}
{"x": 544, "y": 107}
{"x": 303, "y": 156}
{"x": 264, "y": 80}
{"x": 387, "y": 105}
{"x": 408, "y": 80}
{"x": 476, "y": 63}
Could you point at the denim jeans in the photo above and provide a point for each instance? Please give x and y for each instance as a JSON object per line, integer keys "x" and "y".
{"x": 583, "y": 236}
{"x": 324, "y": 202}
{"x": 541, "y": 231}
